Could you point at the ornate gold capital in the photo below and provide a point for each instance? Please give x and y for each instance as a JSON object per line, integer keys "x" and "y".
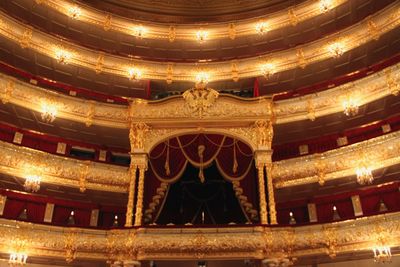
{"x": 263, "y": 158}
{"x": 264, "y": 132}
{"x": 137, "y": 135}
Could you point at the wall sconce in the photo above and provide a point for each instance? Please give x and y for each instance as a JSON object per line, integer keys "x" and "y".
{"x": 134, "y": 74}
{"x": 351, "y": 106}
{"x": 139, "y": 31}
{"x": 382, "y": 254}
{"x": 17, "y": 259}
{"x": 71, "y": 218}
{"x": 292, "y": 220}
{"x": 62, "y": 56}
{"x": 325, "y": 5}
{"x": 74, "y": 12}
{"x": 32, "y": 183}
{"x": 115, "y": 223}
{"x": 268, "y": 69}
{"x": 336, "y": 49}
{"x": 201, "y": 35}
{"x": 364, "y": 175}
{"x": 336, "y": 215}
{"x": 202, "y": 79}
{"x": 262, "y": 27}
{"x": 49, "y": 112}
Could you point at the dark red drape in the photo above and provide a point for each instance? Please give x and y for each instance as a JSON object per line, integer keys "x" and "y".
{"x": 61, "y": 215}
{"x": 13, "y": 208}
{"x": 35, "y": 211}
{"x": 256, "y": 88}
{"x": 169, "y": 159}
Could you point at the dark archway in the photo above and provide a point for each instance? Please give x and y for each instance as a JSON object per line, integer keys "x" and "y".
{"x": 191, "y": 201}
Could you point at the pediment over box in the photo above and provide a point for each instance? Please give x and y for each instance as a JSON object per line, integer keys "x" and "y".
{"x": 209, "y": 107}
{"x": 201, "y": 111}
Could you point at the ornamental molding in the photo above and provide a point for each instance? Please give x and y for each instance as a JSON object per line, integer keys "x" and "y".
{"x": 72, "y": 108}
{"x": 381, "y": 84}
{"x": 223, "y": 107}
{"x": 187, "y": 32}
{"x": 14, "y": 160}
{"x": 199, "y": 100}
{"x": 251, "y": 242}
{"x": 379, "y": 152}
{"x": 317, "y": 168}
{"x": 313, "y": 52}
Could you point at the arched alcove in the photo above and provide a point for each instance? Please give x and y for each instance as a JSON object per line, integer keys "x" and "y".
{"x": 202, "y": 175}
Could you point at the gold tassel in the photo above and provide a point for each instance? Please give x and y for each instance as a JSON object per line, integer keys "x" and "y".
{"x": 200, "y": 150}
{"x": 235, "y": 163}
{"x": 166, "y": 165}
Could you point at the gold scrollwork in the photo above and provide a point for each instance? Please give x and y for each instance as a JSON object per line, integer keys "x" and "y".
{"x": 198, "y": 100}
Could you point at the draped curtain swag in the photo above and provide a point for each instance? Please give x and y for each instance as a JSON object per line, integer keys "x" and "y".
{"x": 168, "y": 161}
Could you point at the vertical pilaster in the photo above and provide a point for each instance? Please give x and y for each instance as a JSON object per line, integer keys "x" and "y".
{"x": 271, "y": 195}
{"x": 137, "y": 134}
{"x": 139, "y": 203}
{"x": 261, "y": 158}
{"x": 131, "y": 196}
{"x": 262, "y": 199}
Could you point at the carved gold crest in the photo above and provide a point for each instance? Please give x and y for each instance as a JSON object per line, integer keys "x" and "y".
{"x": 199, "y": 99}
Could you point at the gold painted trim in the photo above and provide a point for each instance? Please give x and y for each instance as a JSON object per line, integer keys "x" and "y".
{"x": 365, "y": 90}
{"x": 379, "y": 152}
{"x": 15, "y": 160}
{"x": 251, "y": 242}
{"x": 313, "y": 52}
{"x": 187, "y": 32}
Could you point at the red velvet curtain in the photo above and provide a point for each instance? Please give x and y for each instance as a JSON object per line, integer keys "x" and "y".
{"x": 107, "y": 215}
{"x": 82, "y": 217}
{"x": 13, "y": 208}
{"x": 299, "y": 209}
{"x": 389, "y": 194}
{"x": 61, "y": 214}
{"x": 169, "y": 159}
{"x": 35, "y": 211}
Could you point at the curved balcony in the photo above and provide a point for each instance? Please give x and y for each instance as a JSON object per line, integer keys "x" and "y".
{"x": 323, "y": 49}
{"x": 249, "y": 242}
{"x": 185, "y": 47}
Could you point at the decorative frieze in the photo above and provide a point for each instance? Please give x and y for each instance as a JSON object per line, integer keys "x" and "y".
{"x": 354, "y": 36}
{"x": 251, "y": 242}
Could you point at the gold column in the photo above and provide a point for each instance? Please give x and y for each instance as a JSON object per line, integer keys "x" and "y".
{"x": 139, "y": 203}
{"x": 131, "y": 197}
{"x": 271, "y": 196}
{"x": 263, "y": 202}
{"x": 137, "y": 133}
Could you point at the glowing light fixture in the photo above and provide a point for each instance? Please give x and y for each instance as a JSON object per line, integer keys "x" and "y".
{"x": 32, "y": 183}
{"x": 262, "y": 27}
{"x": 115, "y": 223}
{"x": 201, "y": 35}
{"x": 364, "y": 174}
{"x": 336, "y": 49}
{"x": 382, "y": 254}
{"x": 63, "y": 56}
{"x": 74, "y": 12}
{"x": 351, "y": 106}
{"x": 268, "y": 69}
{"x": 202, "y": 79}
{"x": 292, "y": 220}
{"x": 134, "y": 74}
{"x": 49, "y": 112}
{"x": 336, "y": 215}
{"x": 325, "y": 5}
{"x": 139, "y": 31}
{"x": 17, "y": 259}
